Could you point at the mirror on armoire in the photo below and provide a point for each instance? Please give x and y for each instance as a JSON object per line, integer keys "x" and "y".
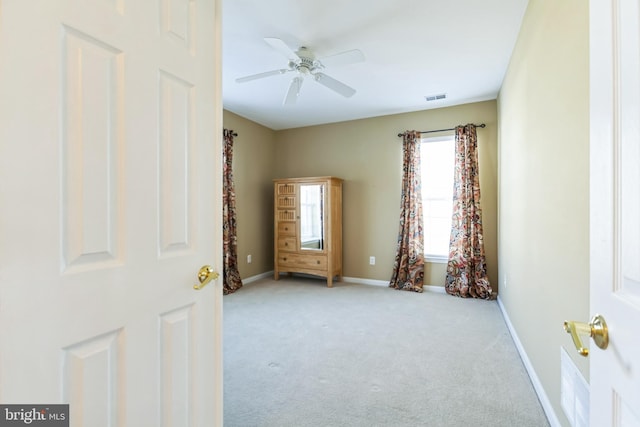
{"x": 311, "y": 216}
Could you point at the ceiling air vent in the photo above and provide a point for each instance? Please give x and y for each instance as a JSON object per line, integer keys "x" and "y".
{"x": 435, "y": 97}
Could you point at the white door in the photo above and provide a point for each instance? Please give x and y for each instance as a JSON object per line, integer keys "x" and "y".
{"x": 110, "y": 195}
{"x": 615, "y": 210}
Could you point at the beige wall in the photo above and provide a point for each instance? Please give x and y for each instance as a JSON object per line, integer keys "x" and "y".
{"x": 253, "y": 169}
{"x": 367, "y": 154}
{"x": 543, "y": 111}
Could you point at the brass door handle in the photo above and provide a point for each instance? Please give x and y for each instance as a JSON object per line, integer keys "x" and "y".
{"x": 205, "y": 275}
{"x": 596, "y": 329}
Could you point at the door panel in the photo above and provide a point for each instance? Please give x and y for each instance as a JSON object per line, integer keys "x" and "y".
{"x": 176, "y": 138}
{"x": 94, "y": 375}
{"x": 177, "y": 347}
{"x": 91, "y": 143}
{"x": 177, "y": 22}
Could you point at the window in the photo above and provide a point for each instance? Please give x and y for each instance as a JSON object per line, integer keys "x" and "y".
{"x": 437, "y": 157}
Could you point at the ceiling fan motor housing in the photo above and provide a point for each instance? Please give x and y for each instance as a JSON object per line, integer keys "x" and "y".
{"x": 307, "y": 63}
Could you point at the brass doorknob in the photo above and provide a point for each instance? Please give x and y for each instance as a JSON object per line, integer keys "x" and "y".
{"x": 596, "y": 329}
{"x": 205, "y": 275}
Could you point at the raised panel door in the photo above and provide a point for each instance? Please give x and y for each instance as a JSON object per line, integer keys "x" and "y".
{"x": 109, "y": 128}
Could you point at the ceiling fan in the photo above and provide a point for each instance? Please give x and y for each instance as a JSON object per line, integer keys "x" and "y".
{"x": 304, "y": 63}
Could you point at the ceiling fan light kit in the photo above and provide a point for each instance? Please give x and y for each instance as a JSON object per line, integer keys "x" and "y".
{"x": 304, "y": 63}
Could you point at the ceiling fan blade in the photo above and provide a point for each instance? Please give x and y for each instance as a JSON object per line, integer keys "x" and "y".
{"x": 343, "y": 58}
{"x": 261, "y": 75}
{"x": 334, "y": 85}
{"x": 294, "y": 91}
{"x": 282, "y": 47}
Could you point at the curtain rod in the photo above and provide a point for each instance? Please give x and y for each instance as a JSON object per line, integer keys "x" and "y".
{"x": 232, "y": 132}
{"x": 444, "y": 130}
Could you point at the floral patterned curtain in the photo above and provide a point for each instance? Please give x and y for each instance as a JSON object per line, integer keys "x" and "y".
{"x": 230, "y": 274}
{"x": 466, "y": 269}
{"x": 408, "y": 268}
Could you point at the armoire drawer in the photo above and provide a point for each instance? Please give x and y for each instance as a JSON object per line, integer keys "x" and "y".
{"x": 302, "y": 261}
{"x": 286, "y": 188}
{"x": 286, "y": 202}
{"x": 286, "y": 215}
{"x": 287, "y": 244}
{"x": 286, "y": 228}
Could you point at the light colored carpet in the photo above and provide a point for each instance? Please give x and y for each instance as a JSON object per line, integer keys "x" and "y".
{"x": 297, "y": 353}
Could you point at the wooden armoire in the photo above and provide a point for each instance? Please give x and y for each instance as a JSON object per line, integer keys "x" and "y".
{"x": 308, "y": 227}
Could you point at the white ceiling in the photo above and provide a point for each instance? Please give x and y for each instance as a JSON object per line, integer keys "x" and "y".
{"x": 412, "y": 49}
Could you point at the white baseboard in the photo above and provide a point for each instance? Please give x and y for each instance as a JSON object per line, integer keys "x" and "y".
{"x": 537, "y": 385}
{"x": 385, "y": 283}
{"x": 257, "y": 277}
{"x": 365, "y": 281}
{"x": 434, "y": 288}
{"x": 269, "y": 274}
{"x": 358, "y": 280}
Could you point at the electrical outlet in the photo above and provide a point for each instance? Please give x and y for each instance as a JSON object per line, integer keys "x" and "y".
{"x": 248, "y": 259}
{"x": 372, "y": 260}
